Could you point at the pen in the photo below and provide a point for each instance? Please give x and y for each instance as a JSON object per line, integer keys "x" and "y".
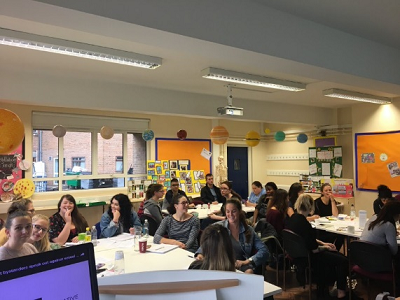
{"x": 191, "y": 256}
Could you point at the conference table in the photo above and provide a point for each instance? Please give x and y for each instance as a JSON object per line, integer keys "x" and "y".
{"x": 175, "y": 259}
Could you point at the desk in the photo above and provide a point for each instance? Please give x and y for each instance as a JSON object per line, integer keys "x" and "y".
{"x": 177, "y": 259}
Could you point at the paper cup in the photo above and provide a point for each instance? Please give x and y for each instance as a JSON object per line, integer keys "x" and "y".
{"x": 350, "y": 229}
{"x": 143, "y": 245}
{"x": 82, "y": 237}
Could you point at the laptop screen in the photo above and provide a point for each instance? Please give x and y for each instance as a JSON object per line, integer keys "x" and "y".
{"x": 67, "y": 273}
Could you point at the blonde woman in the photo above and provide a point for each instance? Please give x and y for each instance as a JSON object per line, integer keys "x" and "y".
{"x": 40, "y": 233}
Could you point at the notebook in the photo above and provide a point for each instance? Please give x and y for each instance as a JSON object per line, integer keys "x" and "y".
{"x": 67, "y": 273}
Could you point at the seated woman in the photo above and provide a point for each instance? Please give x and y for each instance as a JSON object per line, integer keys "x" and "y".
{"x": 67, "y": 222}
{"x": 381, "y": 228}
{"x": 22, "y": 204}
{"x": 384, "y": 195}
{"x": 40, "y": 236}
{"x": 217, "y": 250}
{"x": 151, "y": 205}
{"x": 277, "y": 210}
{"x": 18, "y": 229}
{"x": 181, "y": 227}
{"x": 219, "y": 215}
{"x": 249, "y": 251}
{"x": 119, "y": 218}
{"x": 255, "y": 195}
{"x": 325, "y": 258}
{"x": 295, "y": 190}
{"x": 261, "y": 208}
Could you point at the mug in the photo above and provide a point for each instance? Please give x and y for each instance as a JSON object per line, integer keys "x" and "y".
{"x": 143, "y": 245}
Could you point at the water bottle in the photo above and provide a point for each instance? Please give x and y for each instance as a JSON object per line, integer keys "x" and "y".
{"x": 119, "y": 262}
{"x": 146, "y": 228}
{"x": 352, "y": 212}
{"x": 88, "y": 236}
{"x": 94, "y": 235}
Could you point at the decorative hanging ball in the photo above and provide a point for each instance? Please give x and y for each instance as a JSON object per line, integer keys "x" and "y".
{"x": 181, "y": 134}
{"x": 267, "y": 131}
{"x": 302, "y": 138}
{"x": 106, "y": 132}
{"x": 252, "y": 138}
{"x": 148, "y": 135}
{"x": 59, "y": 131}
{"x": 219, "y": 135}
{"x": 12, "y": 131}
{"x": 279, "y": 136}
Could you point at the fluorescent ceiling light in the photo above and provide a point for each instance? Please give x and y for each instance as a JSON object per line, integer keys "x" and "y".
{"x": 255, "y": 80}
{"x": 337, "y": 93}
{"x": 71, "y": 48}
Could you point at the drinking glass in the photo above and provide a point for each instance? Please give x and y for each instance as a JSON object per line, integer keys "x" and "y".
{"x": 138, "y": 235}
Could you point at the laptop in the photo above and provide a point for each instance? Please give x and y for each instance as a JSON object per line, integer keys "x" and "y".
{"x": 67, "y": 273}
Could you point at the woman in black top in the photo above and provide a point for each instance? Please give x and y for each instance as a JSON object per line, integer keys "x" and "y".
{"x": 384, "y": 195}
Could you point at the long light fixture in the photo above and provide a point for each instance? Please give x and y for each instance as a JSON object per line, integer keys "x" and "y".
{"x": 71, "y": 48}
{"x": 255, "y": 80}
{"x": 337, "y": 93}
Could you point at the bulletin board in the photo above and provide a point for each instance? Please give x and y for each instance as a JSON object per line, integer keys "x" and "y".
{"x": 190, "y": 149}
{"x": 325, "y": 161}
{"x": 377, "y": 160}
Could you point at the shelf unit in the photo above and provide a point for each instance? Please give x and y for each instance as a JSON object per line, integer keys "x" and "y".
{"x": 137, "y": 188}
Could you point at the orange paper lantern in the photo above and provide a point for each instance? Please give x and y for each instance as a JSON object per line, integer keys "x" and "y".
{"x": 219, "y": 135}
{"x": 11, "y": 131}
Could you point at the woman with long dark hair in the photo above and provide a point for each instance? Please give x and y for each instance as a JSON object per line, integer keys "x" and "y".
{"x": 261, "y": 208}
{"x": 119, "y": 218}
{"x": 67, "y": 223}
{"x": 277, "y": 210}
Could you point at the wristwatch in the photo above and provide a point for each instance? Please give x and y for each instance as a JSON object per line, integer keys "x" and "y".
{"x": 252, "y": 262}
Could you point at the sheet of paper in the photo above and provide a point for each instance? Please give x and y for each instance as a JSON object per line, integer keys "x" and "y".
{"x": 205, "y": 153}
{"x": 337, "y": 152}
{"x": 337, "y": 170}
{"x": 326, "y": 169}
{"x": 161, "y": 248}
{"x": 313, "y": 169}
{"x": 312, "y": 153}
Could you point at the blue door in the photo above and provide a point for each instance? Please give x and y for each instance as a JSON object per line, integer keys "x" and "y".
{"x": 238, "y": 170}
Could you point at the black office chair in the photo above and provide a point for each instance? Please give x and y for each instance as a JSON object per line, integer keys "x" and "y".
{"x": 295, "y": 248}
{"x": 153, "y": 224}
{"x": 276, "y": 251}
{"x": 372, "y": 262}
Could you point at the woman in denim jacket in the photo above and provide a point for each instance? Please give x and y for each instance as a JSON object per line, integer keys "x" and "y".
{"x": 249, "y": 251}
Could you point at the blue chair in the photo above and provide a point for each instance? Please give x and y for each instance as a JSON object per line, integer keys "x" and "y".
{"x": 98, "y": 229}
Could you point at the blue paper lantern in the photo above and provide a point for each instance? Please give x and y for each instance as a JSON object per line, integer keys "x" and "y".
{"x": 279, "y": 136}
{"x": 148, "y": 135}
{"x": 302, "y": 138}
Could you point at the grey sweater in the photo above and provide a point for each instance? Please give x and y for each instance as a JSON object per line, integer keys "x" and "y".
{"x": 152, "y": 208}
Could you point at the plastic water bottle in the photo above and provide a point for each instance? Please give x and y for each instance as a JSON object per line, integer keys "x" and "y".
{"x": 88, "y": 236}
{"x": 94, "y": 235}
{"x": 119, "y": 262}
{"x": 146, "y": 228}
{"x": 352, "y": 212}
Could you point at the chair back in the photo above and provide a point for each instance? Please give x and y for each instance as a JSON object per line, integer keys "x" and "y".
{"x": 98, "y": 229}
{"x": 153, "y": 225}
{"x": 370, "y": 257}
{"x": 294, "y": 244}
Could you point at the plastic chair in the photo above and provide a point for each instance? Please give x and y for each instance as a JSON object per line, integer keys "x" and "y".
{"x": 153, "y": 225}
{"x": 295, "y": 247}
{"x": 372, "y": 261}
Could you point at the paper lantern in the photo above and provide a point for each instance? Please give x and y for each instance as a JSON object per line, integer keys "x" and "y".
{"x": 59, "y": 131}
{"x": 267, "y": 131}
{"x": 181, "y": 134}
{"x": 219, "y": 135}
{"x": 148, "y": 135}
{"x": 106, "y": 132}
{"x": 24, "y": 187}
{"x": 279, "y": 136}
{"x": 252, "y": 138}
{"x": 24, "y": 165}
{"x": 302, "y": 138}
{"x": 11, "y": 131}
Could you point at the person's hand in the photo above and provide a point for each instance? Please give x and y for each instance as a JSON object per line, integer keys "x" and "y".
{"x": 67, "y": 216}
{"x": 246, "y": 202}
{"x": 214, "y": 202}
{"x": 330, "y": 247}
{"x": 314, "y": 217}
{"x": 191, "y": 205}
{"x": 212, "y": 216}
{"x": 180, "y": 245}
{"x": 116, "y": 215}
{"x": 240, "y": 263}
{"x": 132, "y": 230}
{"x": 254, "y": 224}
{"x": 75, "y": 239}
{"x": 199, "y": 257}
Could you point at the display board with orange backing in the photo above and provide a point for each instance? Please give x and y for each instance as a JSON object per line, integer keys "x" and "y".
{"x": 190, "y": 149}
{"x": 378, "y": 160}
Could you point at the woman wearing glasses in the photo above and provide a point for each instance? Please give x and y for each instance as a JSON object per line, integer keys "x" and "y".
{"x": 18, "y": 230}
{"x": 40, "y": 233}
{"x": 151, "y": 205}
{"x": 181, "y": 227}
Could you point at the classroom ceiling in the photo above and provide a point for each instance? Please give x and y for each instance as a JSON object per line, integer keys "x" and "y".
{"x": 358, "y": 45}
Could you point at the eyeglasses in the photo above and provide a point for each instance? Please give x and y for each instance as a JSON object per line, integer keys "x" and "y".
{"x": 174, "y": 184}
{"x": 184, "y": 203}
{"x": 162, "y": 191}
{"x": 32, "y": 211}
{"x": 39, "y": 228}
{"x": 224, "y": 188}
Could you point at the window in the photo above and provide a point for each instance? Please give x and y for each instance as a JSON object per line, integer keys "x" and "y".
{"x": 88, "y": 160}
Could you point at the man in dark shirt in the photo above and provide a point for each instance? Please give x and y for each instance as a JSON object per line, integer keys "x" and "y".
{"x": 172, "y": 192}
{"x": 210, "y": 193}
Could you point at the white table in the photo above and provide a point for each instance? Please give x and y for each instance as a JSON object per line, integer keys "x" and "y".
{"x": 204, "y": 212}
{"x": 176, "y": 259}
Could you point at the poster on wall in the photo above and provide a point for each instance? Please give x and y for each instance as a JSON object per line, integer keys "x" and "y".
{"x": 325, "y": 161}
{"x": 341, "y": 187}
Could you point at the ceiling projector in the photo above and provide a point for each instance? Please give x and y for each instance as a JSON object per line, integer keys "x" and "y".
{"x": 230, "y": 111}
